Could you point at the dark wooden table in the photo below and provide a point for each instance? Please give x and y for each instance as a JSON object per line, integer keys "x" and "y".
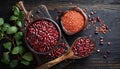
{"x": 109, "y": 10}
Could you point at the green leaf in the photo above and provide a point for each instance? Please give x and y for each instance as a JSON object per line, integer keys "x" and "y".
{"x": 28, "y": 56}
{"x": 7, "y": 45}
{"x": 13, "y": 18}
{"x": 16, "y": 50}
{"x": 5, "y": 58}
{"x": 21, "y": 16}
{"x": 18, "y": 35}
{"x": 19, "y": 24}
{"x": 1, "y": 21}
{"x": 13, "y": 63}
{"x": 5, "y": 26}
{"x": 21, "y": 50}
{"x": 25, "y": 62}
{"x": 1, "y": 35}
{"x": 12, "y": 30}
{"x": 16, "y": 10}
{"x": 18, "y": 43}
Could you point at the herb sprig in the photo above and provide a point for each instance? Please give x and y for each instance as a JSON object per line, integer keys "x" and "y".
{"x": 14, "y": 48}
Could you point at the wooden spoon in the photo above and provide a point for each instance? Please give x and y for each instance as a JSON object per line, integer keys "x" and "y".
{"x": 49, "y": 64}
{"x": 69, "y": 55}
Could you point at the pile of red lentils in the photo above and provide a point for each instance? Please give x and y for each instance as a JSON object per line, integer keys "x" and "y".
{"x": 73, "y": 21}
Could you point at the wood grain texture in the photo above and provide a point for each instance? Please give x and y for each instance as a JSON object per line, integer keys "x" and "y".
{"x": 109, "y": 10}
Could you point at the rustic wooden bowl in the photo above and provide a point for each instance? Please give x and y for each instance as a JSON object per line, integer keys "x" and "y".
{"x": 81, "y": 12}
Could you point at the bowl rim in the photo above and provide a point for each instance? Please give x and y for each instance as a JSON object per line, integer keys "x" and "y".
{"x": 27, "y": 43}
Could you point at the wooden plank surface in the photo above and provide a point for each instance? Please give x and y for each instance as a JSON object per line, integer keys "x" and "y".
{"x": 109, "y": 10}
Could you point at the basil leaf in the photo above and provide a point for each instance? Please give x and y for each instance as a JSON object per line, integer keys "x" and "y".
{"x": 16, "y": 10}
{"x": 12, "y": 30}
{"x": 7, "y": 45}
{"x": 13, "y": 63}
{"x": 5, "y": 58}
{"x": 21, "y": 16}
{"x": 1, "y": 35}
{"x": 5, "y": 26}
{"x": 1, "y": 21}
{"x": 28, "y": 56}
{"x": 19, "y": 43}
{"x": 16, "y": 50}
{"x": 13, "y": 18}
{"x": 18, "y": 35}
{"x": 25, "y": 62}
{"x": 21, "y": 50}
{"x": 19, "y": 24}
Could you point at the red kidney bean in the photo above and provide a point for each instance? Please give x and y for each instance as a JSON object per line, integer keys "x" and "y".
{"x": 27, "y": 20}
{"x": 108, "y": 43}
{"x": 83, "y": 46}
{"x": 59, "y": 51}
{"x": 91, "y": 13}
{"x": 108, "y": 51}
{"x": 98, "y": 19}
{"x": 42, "y": 36}
{"x": 105, "y": 56}
{"x": 98, "y": 50}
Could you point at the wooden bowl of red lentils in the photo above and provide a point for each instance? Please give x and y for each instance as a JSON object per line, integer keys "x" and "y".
{"x": 42, "y": 35}
{"x": 73, "y": 20}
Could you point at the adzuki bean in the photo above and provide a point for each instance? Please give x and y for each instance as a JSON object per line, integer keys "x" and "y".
{"x": 83, "y": 46}
{"x": 59, "y": 51}
{"x": 42, "y": 35}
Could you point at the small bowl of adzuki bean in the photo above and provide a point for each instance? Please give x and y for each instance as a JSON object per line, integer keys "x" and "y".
{"x": 42, "y": 35}
{"x": 83, "y": 47}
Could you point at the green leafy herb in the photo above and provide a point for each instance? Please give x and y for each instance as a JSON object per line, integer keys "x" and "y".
{"x": 1, "y": 21}
{"x": 12, "y": 30}
{"x": 15, "y": 46}
{"x": 25, "y": 62}
{"x": 16, "y": 10}
{"x": 13, "y": 18}
{"x": 21, "y": 16}
{"x": 19, "y": 43}
{"x": 1, "y": 35}
{"x": 21, "y": 50}
{"x": 19, "y": 24}
{"x": 7, "y": 45}
{"x": 5, "y": 58}
{"x": 18, "y": 35}
{"x": 28, "y": 56}
{"x": 13, "y": 63}
{"x": 16, "y": 50}
{"x": 5, "y": 26}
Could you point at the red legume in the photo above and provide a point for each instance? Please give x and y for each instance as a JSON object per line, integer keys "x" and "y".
{"x": 42, "y": 36}
{"x": 58, "y": 51}
{"x": 83, "y": 47}
{"x": 73, "y": 21}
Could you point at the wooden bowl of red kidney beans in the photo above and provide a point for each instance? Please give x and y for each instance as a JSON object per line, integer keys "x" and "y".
{"x": 42, "y": 35}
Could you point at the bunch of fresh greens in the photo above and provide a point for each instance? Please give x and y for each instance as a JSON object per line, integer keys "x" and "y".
{"x": 14, "y": 49}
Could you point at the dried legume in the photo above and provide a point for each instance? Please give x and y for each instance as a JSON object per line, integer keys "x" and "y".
{"x": 83, "y": 47}
{"x": 42, "y": 35}
{"x": 73, "y": 21}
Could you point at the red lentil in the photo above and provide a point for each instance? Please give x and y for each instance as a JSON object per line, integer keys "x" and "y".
{"x": 73, "y": 21}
